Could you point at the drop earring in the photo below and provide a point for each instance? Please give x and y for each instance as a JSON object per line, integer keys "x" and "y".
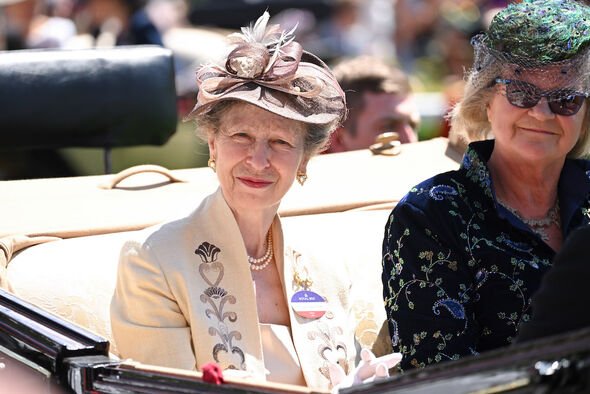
{"x": 211, "y": 164}
{"x": 301, "y": 177}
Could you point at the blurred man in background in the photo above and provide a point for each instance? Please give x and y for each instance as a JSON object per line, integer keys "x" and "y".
{"x": 379, "y": 100}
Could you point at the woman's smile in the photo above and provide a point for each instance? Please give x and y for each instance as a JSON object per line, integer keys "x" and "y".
{"x": 536, "y": 130}
{"x": 256, "y": 183}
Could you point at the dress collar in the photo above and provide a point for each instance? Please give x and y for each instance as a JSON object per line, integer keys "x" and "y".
{"x": 475, "y": 164}
{"x": 573, "y": 187}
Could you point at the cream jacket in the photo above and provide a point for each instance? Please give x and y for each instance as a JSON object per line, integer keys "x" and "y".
{"x": 184, "y": 297}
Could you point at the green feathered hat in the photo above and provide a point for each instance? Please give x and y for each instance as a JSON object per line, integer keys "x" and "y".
{"x": 536, "y": 35}
{"x": 546, "y": 30}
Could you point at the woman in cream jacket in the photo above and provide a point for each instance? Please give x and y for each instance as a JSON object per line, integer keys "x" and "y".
{"x": 220, "y": 285}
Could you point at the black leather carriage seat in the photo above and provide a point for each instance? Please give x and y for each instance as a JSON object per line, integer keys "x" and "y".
{"x": 102, "y": 97}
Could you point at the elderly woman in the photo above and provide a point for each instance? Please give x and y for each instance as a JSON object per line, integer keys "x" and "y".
{"x": 219, "y": 285}
{"x": 464, "y": 251}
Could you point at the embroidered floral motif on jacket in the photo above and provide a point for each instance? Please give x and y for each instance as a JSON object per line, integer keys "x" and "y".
{"x": 217, "y": 297}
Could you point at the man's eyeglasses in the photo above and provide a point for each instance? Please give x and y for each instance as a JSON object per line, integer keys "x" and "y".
{"x": 564, "y": 102}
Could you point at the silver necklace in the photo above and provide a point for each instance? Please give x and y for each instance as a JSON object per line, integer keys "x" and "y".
{"x": 540, "y": 225}
{"x": 258, "y": 264}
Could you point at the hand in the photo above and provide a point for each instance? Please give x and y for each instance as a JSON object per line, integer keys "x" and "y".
{"x": 368, "y": 369}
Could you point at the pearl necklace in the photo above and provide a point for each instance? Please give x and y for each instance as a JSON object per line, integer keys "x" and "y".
{"x": 541, "y": 225}
{"x": 262, "y": 262}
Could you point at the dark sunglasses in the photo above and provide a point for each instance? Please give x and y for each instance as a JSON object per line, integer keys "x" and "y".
{"x": 526, "y": 95}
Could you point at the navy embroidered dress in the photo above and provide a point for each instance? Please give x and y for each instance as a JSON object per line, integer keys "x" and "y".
{"x": 459, "y": 269}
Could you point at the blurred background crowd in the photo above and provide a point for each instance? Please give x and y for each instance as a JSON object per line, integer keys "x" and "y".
{"x": 428, "y": 39}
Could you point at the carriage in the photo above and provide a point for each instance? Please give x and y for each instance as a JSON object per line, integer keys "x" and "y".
{"x": 54, "y": 304}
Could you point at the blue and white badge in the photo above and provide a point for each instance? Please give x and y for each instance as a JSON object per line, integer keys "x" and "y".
{"x": 309, "y": 304}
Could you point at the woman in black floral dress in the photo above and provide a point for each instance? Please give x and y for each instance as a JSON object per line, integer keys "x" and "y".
{"x": 464, "y": 251}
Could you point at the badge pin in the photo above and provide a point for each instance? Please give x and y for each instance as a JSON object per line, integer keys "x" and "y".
{"x": 309, "y": 304}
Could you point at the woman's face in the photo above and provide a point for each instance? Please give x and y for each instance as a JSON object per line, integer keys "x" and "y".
{"x": 534, "y": 133}
{"x": 257, "y": 156}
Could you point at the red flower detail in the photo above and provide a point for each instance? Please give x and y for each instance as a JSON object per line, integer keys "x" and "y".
{"x": 212, "y": 373}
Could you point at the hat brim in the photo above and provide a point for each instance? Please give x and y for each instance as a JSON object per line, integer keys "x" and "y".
{"x": 279, "y": 103}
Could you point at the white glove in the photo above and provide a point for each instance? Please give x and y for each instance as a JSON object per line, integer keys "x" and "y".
{"x": 368, "y": 369}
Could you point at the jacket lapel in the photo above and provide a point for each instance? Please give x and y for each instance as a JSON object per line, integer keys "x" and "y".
{"x": 317, "y": 340}
{"x": 224, "y": 314}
